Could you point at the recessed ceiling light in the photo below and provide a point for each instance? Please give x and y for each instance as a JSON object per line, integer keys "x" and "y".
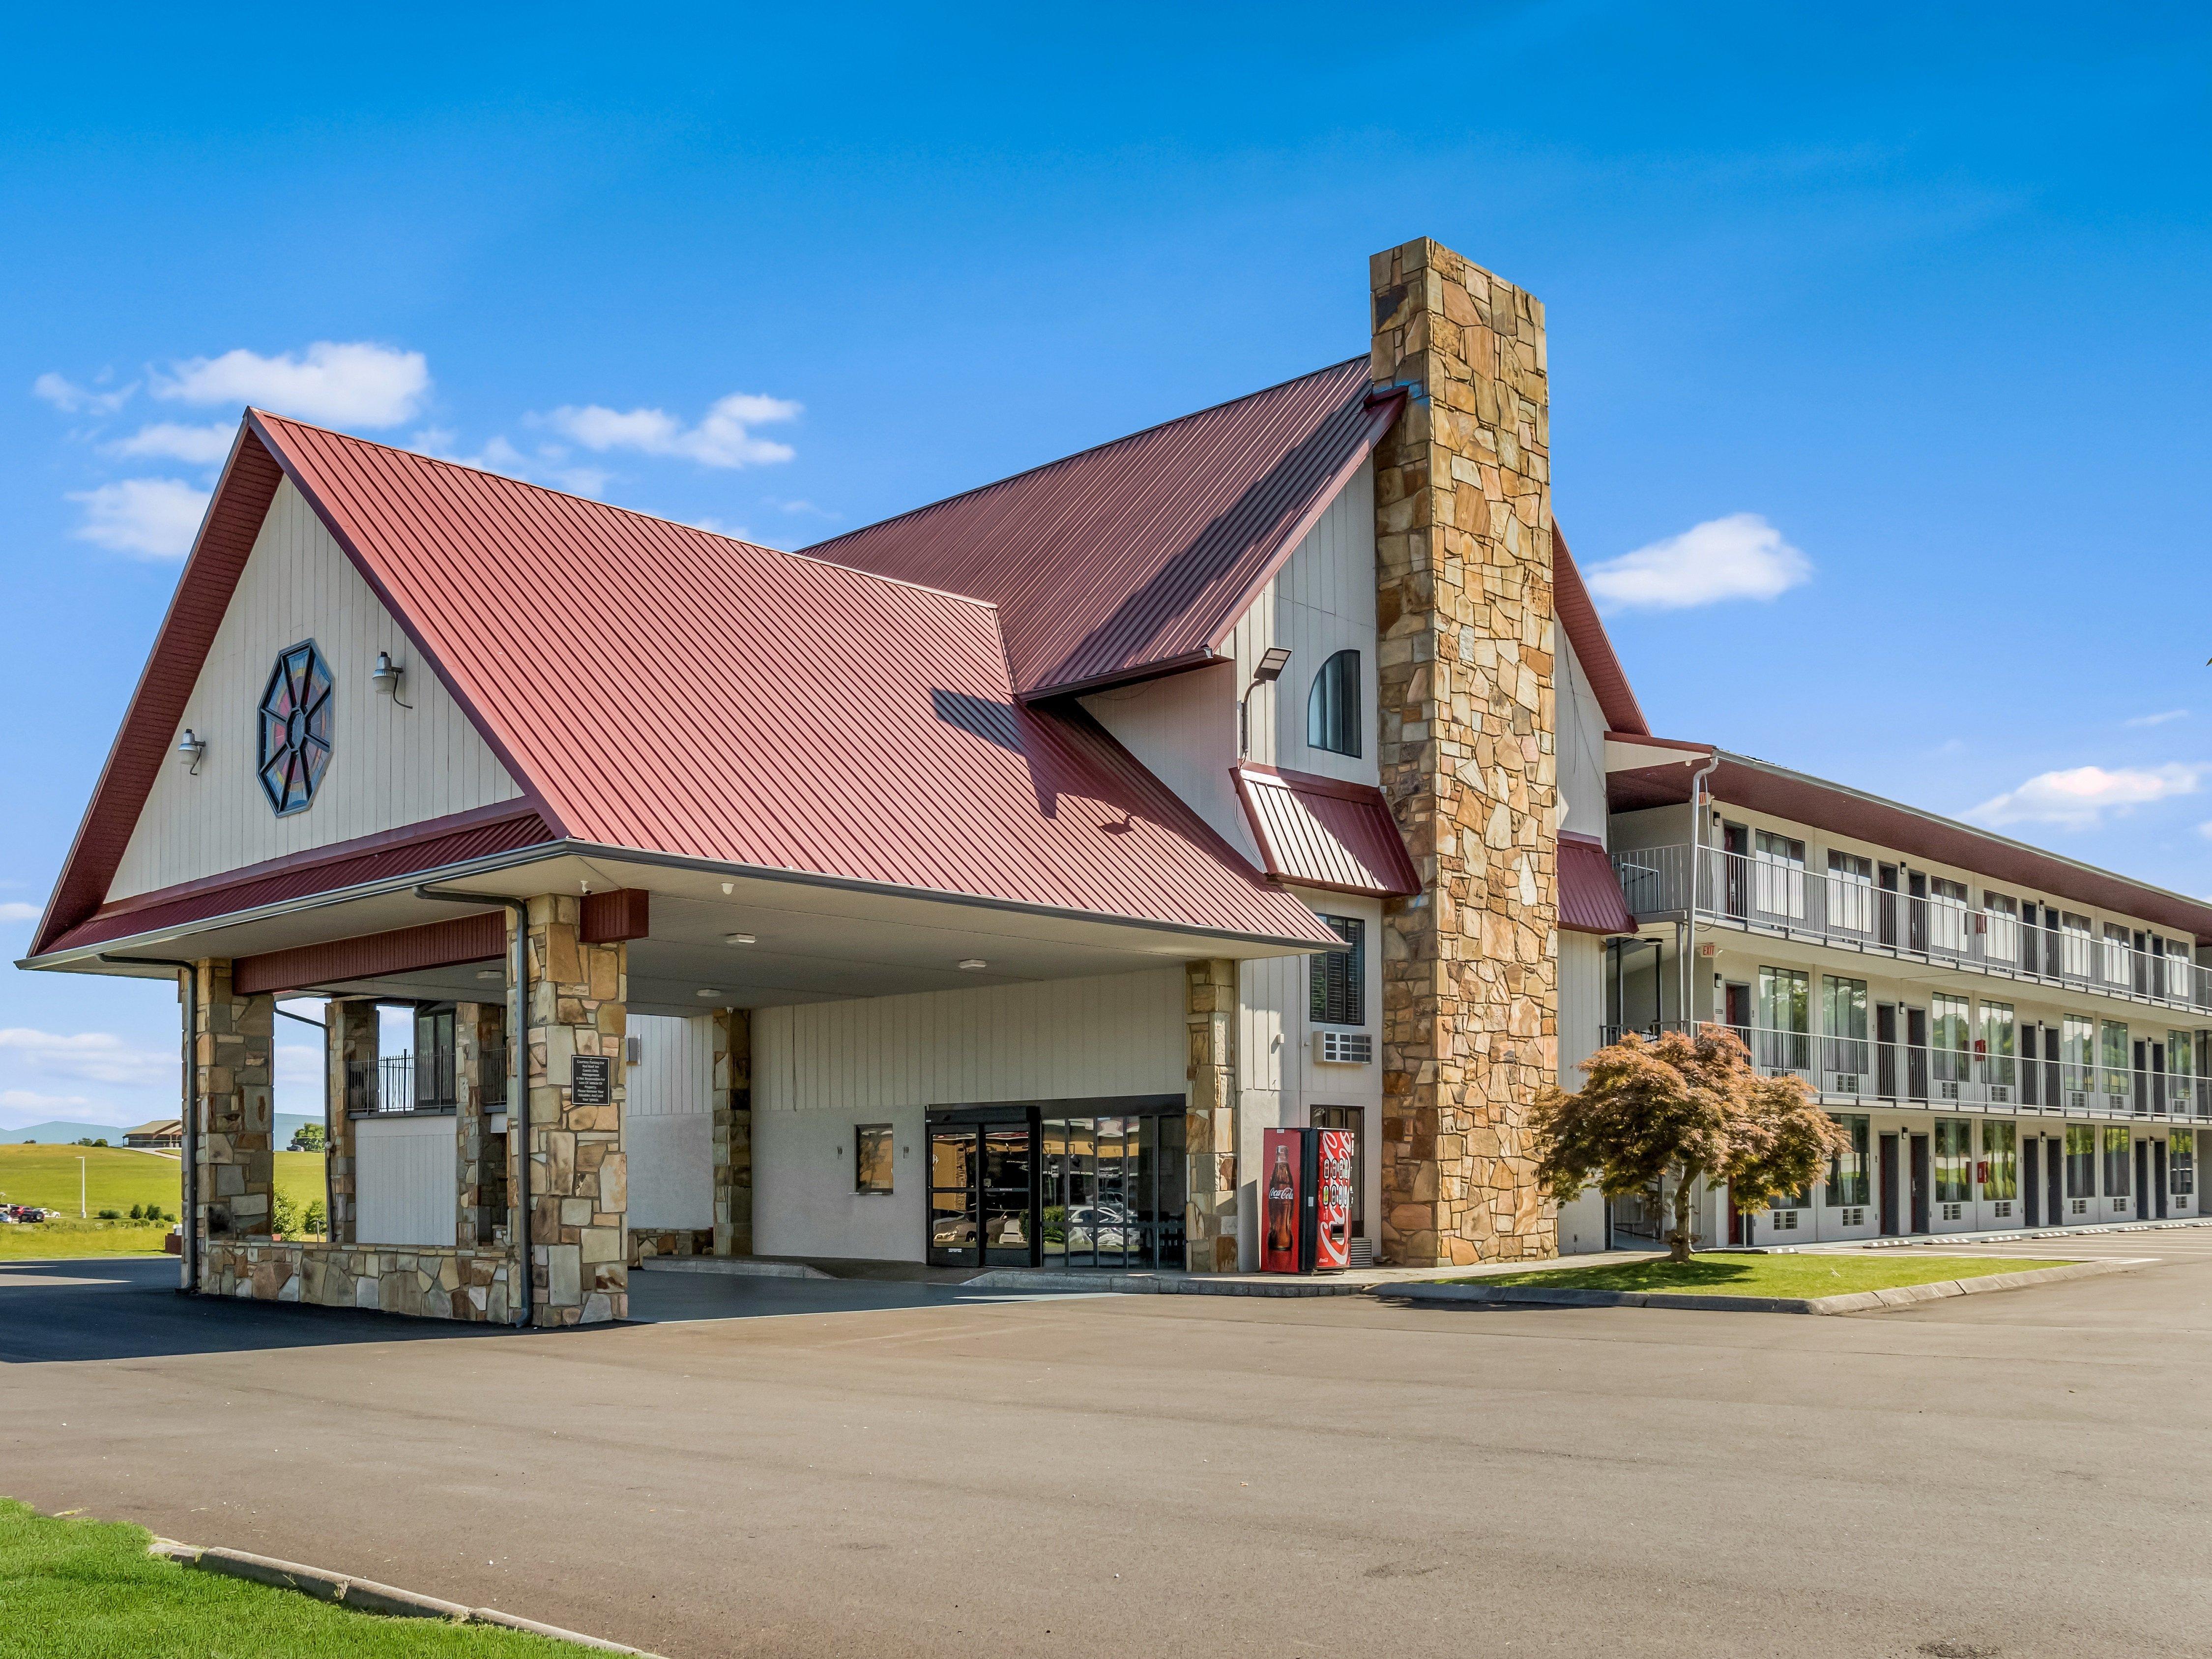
{"x": 489, "y": 973}
{"x": 974, "y": 962}
{"x": 739, "y": 939}
{"x": 710, "y": 991}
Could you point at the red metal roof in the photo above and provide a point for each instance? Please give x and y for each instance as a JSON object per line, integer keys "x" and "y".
{"x": 1324, "y": 833}
{"x": 1592, "y": 647}
{"x": 1138, "y": 557}
{"x": 659, "y": 688}
{"x": 1589, "y": 893}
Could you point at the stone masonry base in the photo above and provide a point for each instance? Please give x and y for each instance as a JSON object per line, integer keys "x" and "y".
{"x": 426, "y": 1281}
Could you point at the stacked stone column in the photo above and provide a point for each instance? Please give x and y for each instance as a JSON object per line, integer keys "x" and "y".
{"x": 231, "y": 1088}
{"x": 1463, "y": 553}
{"x": 1210, "y": 1117}
{"x": 479, "y": 1057}
{"x": 733, "y": 1131}
{"x": 349, "y": 1045}
{"x": 579, "y": 1187}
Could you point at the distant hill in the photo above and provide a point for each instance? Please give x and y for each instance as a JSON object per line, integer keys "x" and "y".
{"x": 53, "y": 1134}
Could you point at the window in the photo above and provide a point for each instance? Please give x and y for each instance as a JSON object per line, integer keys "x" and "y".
{"x": 2077, "y": 1035}
{"x": 1851, "y": 892}
{"x": 1783, "y": 1041}
{"x": 1947, "y": 915}
{"x": 1955, "y": 1160}
{"x": 2118, "y": 1141}
{"x": 2119, "y": 945}
{"x": 1996, "y": 1048}
{"x": 1950, "y": 1056}
{"x": 1333, "y": 706}
{"x": 434, "y": 1057}
{"x": 2112, "y": 1057}
{"x": 295, "y": 729}
{"x": 2001, "y": 1152}
{"x": 1354, "y": 1119}
{"x": 2080, "y": 1160}
{"x": 872, "y": 1157}
{"x": 2181, "y": 1161}
{"x": 1777, "y": 875}
{"x": 2001, "y": 918}
{"x": 1848, "y": 1179}
{"x": 2074, "y": 943}
{"x": 1844, "y": 1035}
{"x": 1337, "y": 979}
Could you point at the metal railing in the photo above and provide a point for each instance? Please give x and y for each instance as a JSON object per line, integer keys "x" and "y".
{"x": 1776, "y": 896}
{"x": 395, "y": 1084}
{"x": 1864, "y": 1071}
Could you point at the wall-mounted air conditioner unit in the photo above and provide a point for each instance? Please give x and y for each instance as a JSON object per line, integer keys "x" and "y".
{"x": 1343, "y": 1047}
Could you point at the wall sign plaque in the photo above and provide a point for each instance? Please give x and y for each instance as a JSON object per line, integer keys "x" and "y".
{"x": 590, "y": 1080}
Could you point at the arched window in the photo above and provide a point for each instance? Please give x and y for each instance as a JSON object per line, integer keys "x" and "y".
{"x": 1333, "y": 707}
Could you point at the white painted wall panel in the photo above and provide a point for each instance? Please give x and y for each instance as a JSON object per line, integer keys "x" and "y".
{"x": 1581, "y": 740}
{"x": 820, "y": 1069}
{"x": 408, "y": 1181}
{"x": 1582, "y": 1003}
{"x": 389, "y": 766}
{"x": 668, "y": 1122}
{"x": 675, "y": 1073}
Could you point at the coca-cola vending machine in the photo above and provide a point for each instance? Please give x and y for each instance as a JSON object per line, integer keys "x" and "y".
{"x": 1306, "y": 1201}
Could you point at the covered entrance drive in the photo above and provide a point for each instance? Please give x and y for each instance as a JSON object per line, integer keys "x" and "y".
{"x": 1098, "y": 1183}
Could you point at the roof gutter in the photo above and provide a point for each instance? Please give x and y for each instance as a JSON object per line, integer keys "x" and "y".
{"x": 190, "y": 1255}
{"x": 1697, "y": 866}
{"x": 518, "y": 1083}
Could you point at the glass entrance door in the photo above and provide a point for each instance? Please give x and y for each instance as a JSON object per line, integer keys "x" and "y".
{"x": 1009, "y": 1200}
{"x": 982, "y": 1193}
{"x": 955, "y": 1195}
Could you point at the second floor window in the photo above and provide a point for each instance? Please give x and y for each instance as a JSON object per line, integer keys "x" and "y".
{"x": 1337, "y": 979}
{"x": 1333, "y": 706}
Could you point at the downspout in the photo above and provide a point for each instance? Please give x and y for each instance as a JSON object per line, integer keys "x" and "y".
{"x": 1697, "y": 869}
{"x": 329, "y": 1140}
{"x": 191, "y": 1147}
{"x": 518, "y": 1088}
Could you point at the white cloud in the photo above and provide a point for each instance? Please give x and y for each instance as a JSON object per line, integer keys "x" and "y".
{"x": 2157, "y": 719}
{"x": 1739, "y": 556}
{"x": 723, "y": 438}
{"x": 2081, "y": 795}
{"x": 147, "y": 518}
{"x": 202, "y": 445}
{"x": 353, "y": 384}
{"x": 74, "y": 399}
{"x": 97, "y": 1057}
{"x": 498, "y": 455}
{"x": 15, "y": 909}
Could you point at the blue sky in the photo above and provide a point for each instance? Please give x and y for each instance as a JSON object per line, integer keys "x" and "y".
{"x": 1881, "y": 331}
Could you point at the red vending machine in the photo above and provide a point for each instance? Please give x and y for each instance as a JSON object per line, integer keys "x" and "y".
{"x": 1305, "y": 1201}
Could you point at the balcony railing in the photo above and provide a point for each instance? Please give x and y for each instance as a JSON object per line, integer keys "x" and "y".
{"x": 1778, "y": 897}
{"x": 396, "y": 1083}
{"x": 1864, "y": 1071}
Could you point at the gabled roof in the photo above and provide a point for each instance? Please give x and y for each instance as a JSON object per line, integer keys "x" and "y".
{"x": 1592, "y": 647}
{"x": 1137, "y": 557}
{"x": 658, "y": 688}
{"x": 1323, "y": 832}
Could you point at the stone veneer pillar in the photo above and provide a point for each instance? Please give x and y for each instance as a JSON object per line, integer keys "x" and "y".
{"x": 1210, "y": 1117}
{"x": 733, "y": 1131}
{"x": 1463, "y": 556}
{"x": 349, "y": 1045}
{"x": 232, "y": 1083}
{"x": 579, "y": 1180}
{"x": 479, "y": 1056}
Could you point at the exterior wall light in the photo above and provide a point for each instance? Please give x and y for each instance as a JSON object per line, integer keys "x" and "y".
{"x": 191, "y": 749}
{"x": 1266, "y": 671}
{"x": 385, "y": 677}
{"x": 739, "y": 939}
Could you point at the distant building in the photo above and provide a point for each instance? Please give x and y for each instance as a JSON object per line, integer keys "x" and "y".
{"x": 165, "y": 1134}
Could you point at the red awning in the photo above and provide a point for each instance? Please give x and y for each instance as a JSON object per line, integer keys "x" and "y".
{"x": 1589, "y": 893}
{"x": 1324, "y": 834}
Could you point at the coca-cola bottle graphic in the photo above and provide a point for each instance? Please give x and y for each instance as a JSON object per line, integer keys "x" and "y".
{"x": 1282, "y": 1205}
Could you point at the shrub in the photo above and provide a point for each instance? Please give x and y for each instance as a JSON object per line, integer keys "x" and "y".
{"x": 138, "y": 1213}
{"x": 109, "y": 1215}
{"x": 317, "y": 1221}
{"x": 308, "y": 1137}
{"x": 283, "y": 1214}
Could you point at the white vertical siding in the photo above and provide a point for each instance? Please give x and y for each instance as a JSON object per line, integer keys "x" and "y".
{"x": 1581, "y": 740}
{"x": 1322, "y": 601}
{"x": 407, "y": 1176}
{"x": 1582, "y": 1002}
{"x": 821, "y": 1068}
{"x": 668, "y": 1122}
{"x": 389, "y": 766}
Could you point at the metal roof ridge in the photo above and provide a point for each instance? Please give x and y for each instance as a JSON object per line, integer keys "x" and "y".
{"x": 1077, "y": 454}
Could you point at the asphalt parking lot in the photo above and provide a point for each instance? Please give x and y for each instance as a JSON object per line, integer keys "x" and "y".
{"x": 821, "y": 1468}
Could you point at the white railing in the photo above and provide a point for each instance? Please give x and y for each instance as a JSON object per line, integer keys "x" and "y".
{"x": 1754, "y": 891}
{"x": 1862, "y": 1071}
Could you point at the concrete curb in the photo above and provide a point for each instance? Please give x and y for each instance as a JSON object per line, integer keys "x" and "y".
{"x": 1162, "y": 1285}
{"x": 363, "y": 1594}
{"x": 738, "y": 1266}
{"x": 1854, "y": 1302}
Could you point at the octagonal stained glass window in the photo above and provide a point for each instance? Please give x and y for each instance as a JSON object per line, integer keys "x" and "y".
{"x": 294, "y": 720}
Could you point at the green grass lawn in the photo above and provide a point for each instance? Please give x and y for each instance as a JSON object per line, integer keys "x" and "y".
{"x": 117, "y": 1178}
{"x": 72, "y": 1588}
{"x": 1715, "y": 1274}
{"x": 51, "y": 1239}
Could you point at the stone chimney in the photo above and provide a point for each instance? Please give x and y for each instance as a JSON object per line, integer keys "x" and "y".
{"x": 1463, "y": 557}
